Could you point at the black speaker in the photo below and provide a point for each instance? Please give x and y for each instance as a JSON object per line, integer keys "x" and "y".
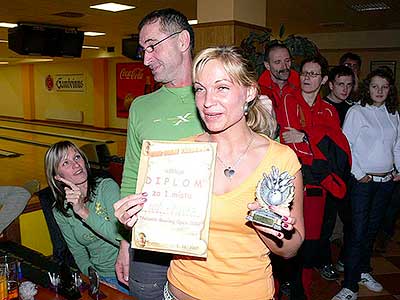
{"x": 130, "y": 47}
{"x": 45, "y": 40}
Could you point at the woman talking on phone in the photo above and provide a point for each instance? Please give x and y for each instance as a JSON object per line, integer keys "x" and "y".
{"x": 83, "y": 210}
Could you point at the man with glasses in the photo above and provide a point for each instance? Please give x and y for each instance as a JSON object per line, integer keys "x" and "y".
{"x": 311, "y": 127}
{"x": 167, "y": 42}
{"x": 278, "y": 80}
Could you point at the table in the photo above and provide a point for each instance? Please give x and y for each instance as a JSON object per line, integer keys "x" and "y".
{"x": 34, "y": 267}
{"x": 111, "y": 294}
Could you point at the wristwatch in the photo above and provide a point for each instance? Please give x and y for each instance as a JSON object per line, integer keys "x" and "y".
{"x": 305, "y": 138}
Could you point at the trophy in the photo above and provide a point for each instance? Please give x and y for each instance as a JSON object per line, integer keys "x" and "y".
{"x": 273, "y": 189}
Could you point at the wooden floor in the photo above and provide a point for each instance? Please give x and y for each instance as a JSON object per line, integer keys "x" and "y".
{"x": 386, "y": 270}
{"x": 15, "y": 134}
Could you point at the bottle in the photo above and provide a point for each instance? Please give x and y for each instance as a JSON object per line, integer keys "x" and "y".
{"x": 3, "y": 285}
{"x": 12, "y": 277}
{"x": 9, "y": 267}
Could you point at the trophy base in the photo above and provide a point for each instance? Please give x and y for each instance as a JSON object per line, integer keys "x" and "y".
{"x": 266, "y": 218}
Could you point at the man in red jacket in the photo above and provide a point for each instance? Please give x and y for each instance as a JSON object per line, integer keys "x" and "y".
{"x": 278, "y": 80}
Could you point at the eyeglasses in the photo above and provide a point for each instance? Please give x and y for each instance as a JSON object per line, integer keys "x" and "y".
{"x": 310, "y": 74}
{"x": 150, "y": 48}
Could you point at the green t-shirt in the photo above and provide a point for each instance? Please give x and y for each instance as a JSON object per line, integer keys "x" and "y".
{"x": 166, "y": 114}
{"x": 95, "y": 241}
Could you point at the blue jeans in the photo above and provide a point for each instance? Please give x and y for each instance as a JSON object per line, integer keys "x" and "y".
{"x": 115, "y": 283}
{"x": 368, "y": 207}
{"x": 148, "y": 274}
{"x": 392, "y": 213}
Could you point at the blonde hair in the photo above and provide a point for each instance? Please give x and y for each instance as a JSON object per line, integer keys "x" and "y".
{"x": 259, "y": 118}
{"x": 52, "y": 159}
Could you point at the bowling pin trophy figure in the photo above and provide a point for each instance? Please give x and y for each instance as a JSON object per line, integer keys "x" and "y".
{"x": 273, "y": 189}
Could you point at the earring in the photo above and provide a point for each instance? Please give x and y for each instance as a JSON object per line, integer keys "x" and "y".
{"x": 246, "y": 109}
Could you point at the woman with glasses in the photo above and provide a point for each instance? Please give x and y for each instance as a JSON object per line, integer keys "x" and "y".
{"x": 311, "y": 127}
{"x": 373, "y": 130}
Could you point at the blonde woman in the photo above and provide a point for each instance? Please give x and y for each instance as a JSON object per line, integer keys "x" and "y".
{"x": 237, "y": 265}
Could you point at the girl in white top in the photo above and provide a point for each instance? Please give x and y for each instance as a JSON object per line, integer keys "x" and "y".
{"x": 373, "y": 131}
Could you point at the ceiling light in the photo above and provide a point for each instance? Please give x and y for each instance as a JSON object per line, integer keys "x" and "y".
{"x": 90, "y": 47}
{"x": 3, "y": 62}
{"x": 193, "y": 22}
{"x": 3, "y": 41}
{"x": 93, "y": 33}
{"x": 8, "y": 25}
{"x": 371, "y": 6}
{"x": 111, "y": 6}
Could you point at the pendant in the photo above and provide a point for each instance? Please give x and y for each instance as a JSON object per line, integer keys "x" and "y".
{"x": 228, "y": 172}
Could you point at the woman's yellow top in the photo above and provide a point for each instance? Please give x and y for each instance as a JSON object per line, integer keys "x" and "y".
{"x": 237, "y": 265}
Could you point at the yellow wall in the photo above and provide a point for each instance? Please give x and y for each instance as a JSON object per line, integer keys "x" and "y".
{"x": 211, "y": 10}
{"x": 247, "y": 11}
{"x": 367, "y": 56}
{"x": 357, "y": 39}
{"x": 251, "y": 11}
{"x": 11, "y": 91}
{"x": 28, "y": 94}
{"x": 66, "y": 101}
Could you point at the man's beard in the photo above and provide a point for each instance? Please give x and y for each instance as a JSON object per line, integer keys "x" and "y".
{"x": 282, "y": 74}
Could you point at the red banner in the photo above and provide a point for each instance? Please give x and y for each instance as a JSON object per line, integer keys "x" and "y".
{"x": 133, "y": 80}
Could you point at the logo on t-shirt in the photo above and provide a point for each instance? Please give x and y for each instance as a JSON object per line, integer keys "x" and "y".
{"x": 177, "y": 120}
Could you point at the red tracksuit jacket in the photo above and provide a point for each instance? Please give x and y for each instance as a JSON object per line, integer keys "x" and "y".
{"x": 273, "y": 91}
{"x": 325, "y": 158}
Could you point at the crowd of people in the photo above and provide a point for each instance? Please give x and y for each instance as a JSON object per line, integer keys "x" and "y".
{"x": 342, "y": 150}
{"x": 349, "y": 172}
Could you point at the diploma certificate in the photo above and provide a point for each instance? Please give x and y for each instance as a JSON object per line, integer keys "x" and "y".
{"x": 178, "y": 178}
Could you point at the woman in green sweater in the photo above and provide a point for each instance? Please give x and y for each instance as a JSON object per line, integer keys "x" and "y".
{"x": 83, "y": 210}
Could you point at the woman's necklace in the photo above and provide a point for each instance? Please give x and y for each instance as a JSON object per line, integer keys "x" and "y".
{"x": 229, "y": 171}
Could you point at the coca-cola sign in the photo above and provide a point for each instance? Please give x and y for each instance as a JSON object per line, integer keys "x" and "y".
{"x": 133, "y": 80}
{"x": 136, "y": 73}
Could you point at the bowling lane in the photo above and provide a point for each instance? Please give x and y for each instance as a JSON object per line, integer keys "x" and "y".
{"x": 72, "y": 131}
{"x": 41, "y": 136}
{"x": 28, "y": 166}
{"x": 18, "y": 170}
